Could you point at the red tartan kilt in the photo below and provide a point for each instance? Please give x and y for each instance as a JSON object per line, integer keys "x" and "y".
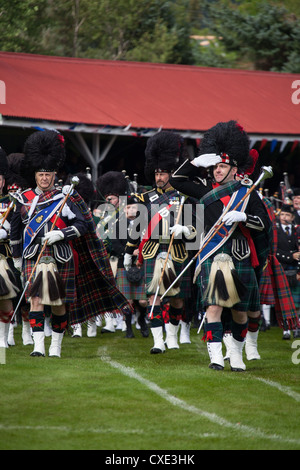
{"x": 266, "y": 290}
{"x": 66, "y": 272}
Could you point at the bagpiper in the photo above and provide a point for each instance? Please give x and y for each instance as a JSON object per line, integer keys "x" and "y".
{"x": 225, "y": 272}
{"x": 117, "y": 217}
{"x": 16, "y": 182}
{"x": 51, "y": 230}
{"x": 163, "y": 249}
{"x": 112, "y": 187}
{"x": 9, "y": 282}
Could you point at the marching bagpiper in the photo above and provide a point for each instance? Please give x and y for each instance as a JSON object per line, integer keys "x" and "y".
{"x": 112, "y": 187}
{"x": 162, "y": 251}
{"x": 9, "y": 285}
{"x": 232, "y": 254}
{"x": 51, "y": 230}
{"x": 117, "y": 190}
{"x": 16, "y": 182}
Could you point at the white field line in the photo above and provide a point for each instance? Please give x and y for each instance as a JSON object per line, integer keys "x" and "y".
{"x": 67, "y": 429}
{"x": 104, "y": 430}
{"x": 212, "y": 417}
{"x": 282, "y": 388}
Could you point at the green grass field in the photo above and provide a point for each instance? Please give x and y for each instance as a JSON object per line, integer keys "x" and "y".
{"x": 110, "y": 393}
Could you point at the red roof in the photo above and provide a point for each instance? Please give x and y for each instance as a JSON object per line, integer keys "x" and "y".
{"x": 146, "y": 95}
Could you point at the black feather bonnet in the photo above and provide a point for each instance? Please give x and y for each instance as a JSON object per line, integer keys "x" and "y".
{"x": 112, "y": 183}
{"x": 230, "y": 141}
{"x": 165, "y": 151}
{"x": 45, "y": 151}
{"x": 15, "y": 178}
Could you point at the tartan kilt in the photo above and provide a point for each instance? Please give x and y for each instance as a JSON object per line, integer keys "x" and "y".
{"x": 128, "y": 289}
{"x": 250, "y": 301}
{"x": 266, "y": 289}
{"x": 65, "y": 270}
{"x": 185, "y": 280}
{"x": 97, "y": 294}
{"x": 284, "y": 304}
{"x": 295, "y": 291}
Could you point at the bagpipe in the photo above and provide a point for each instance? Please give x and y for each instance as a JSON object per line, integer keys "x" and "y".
{"x": 132, "y": 185}
{"x": 282, "y": 197}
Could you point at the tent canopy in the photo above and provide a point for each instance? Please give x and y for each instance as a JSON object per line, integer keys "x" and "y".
{"x": 145, "y": 95}
{"x": 121, "y": 98}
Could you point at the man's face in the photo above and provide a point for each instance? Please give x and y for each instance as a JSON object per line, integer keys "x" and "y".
{"x": 162, "y": 180}
{"x": 112, "y": 199}
{"x": 224, "y": 173}
{"x": 45, "y": 180}
{"x": 296, "y": 202}
{"x": 286, "y": 218}
{"x": 2, "y": 183}
{"x": 131, "y": 211}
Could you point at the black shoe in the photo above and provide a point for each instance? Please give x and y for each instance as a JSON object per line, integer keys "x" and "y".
{"x": 129, "y": 332}
{"x": 106, "y": 331}
{"x": 37, "y": 354}
{"x": 156, "y": 351}
{"x": 286, "y": 335}
{"x": 143, "y": 325}
{"x": 145, "y": 332}
{"x": 144, "y": 329}
{"x": 237, "y": 369}
{"x": 264, "y": 325}
{"x": 215, "y": 366}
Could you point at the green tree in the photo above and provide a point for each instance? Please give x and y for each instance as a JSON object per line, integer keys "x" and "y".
{"x": 257, "y": 34}
{"x": 155, "y": 46}
{"x": 145, "y": 30}
{"x": 21, "y": 25}
{"x": 268, "y": 38}
{"x": 214, "y": 54}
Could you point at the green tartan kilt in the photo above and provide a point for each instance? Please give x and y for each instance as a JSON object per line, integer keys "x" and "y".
{"x": 185, "y": 280}
{"x": 128, "y": 289}
{"x": 295, "y": 291}
{"x": 251, "y": 300}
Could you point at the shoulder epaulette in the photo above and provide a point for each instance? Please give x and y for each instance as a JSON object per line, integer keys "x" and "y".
{"x": 142, "y": 196}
